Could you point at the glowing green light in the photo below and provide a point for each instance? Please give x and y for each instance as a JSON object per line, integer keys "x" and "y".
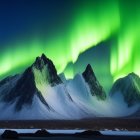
{"x": 92, "y": 23}
{"x": 125, "y": 54}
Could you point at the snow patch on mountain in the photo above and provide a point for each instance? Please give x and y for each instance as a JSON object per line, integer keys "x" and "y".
{"x": 36, "y": 111}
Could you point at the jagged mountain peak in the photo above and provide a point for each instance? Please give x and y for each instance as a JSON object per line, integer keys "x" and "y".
{"x": 88, "y": 68}
{"x": 133, "y": 76}
{"x": 40, "y": 62}
{"x": 45, "y": 72}
{"x": 94, "y": 85}
{"x": 43, "y": 61}
{"x": 45, "y": 58}
{"x": 89, "y": 72}
{"x": 130, "y": 79}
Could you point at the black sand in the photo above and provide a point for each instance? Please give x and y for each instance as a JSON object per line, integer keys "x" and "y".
{"x": 89, "y": 124}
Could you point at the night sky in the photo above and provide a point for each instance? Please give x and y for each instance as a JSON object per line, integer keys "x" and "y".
{"x": 73, "y": 33}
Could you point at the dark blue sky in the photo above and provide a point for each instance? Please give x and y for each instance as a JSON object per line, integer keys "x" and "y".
{"x": 23, "y": 18}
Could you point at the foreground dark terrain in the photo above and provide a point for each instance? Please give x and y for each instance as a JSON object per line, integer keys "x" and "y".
{"x": 131, "y": 124}
{"x": 86, "y": 135}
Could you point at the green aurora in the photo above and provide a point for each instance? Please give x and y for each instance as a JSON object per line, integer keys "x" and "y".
{"x": 125, "y": 54}
{"x": 92, "y": 22}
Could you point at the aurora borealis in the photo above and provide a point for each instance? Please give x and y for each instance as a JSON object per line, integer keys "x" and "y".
{"x": 125, "y": 53}
{"x": 72, "y": 33}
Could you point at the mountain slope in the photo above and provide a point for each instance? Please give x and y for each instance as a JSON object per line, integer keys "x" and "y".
{"x": 23, "y": 91}
{"x": 95, "y": 87}
{"x": 129, "y": 87}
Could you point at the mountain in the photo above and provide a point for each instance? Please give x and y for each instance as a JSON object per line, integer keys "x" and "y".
{"x": 95, "y": 88}
{"x": 21, "y": 90}
{"x": 40, "y": 93}
{"x": 129, "y": 87}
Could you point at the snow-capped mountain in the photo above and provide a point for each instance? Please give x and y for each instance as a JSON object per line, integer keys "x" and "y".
{"x": 40, "y": 93}
{"x": 129, "y": 87}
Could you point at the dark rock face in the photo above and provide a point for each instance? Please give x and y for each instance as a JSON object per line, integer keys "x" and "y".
{"x": 51, "y": 73}
{"x": 24, "y": 90}
{"x": 95, "y": 87}
{"x": 129, "y": 87}
{"x": 8, "y": 134}
{"x": 89, "y": 133}
{"x": 42, "y": 133}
